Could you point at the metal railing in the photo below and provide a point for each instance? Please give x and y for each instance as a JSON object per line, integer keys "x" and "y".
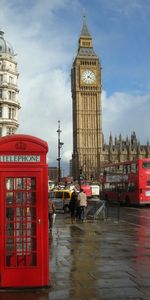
{"x": 102, "y": 209}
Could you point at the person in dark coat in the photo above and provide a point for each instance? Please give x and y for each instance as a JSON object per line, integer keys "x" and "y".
{"x": 73, "y": 206}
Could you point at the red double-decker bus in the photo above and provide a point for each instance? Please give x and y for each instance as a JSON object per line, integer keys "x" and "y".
{"x": 127, "y": 182}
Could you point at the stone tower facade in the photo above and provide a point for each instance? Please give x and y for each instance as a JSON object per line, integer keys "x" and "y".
{"x": 9, "y": 102}
{"x": 86, "y": 108}
{"x": 90, "y": 151}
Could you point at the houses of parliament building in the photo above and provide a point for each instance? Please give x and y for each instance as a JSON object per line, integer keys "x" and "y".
{"x": 89, "y": 149}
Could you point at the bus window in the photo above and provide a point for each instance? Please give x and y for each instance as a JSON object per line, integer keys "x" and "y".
{"x": 112, "y": 187}
{"x": 131, "y": 187}
{"x": 146, "y": 165}
{"x": 125, "y": 187}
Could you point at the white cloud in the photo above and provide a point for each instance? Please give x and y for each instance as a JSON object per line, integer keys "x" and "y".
{"x": 46, "y": 99}
{"x": 44, "y": 79}
{"x": 124, "y": 113}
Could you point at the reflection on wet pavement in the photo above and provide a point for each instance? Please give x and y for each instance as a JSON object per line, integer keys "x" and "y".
{"x": 101, "y": 260}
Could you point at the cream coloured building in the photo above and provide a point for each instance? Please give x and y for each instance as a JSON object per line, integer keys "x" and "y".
{"x": 9, "y": 101}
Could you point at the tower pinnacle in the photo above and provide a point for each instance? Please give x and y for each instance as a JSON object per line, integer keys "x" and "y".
{"x": 84, "y": 31}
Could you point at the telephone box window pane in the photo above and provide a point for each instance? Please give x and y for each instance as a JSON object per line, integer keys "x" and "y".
{"x": 9, "y": 198}
{"x": 28, "y": 230}
{"x": 29, "y": 242}
{"x": 28, "y": 214}
{"x": 10, "y": 245}
{"x": 33, "y": 213}
{"x": 10, "y": 261}
{"x": 33, "y": 244}
{"x": 20, "y": 213}
{"x": 31, "y": 198}
{"x": 28, "y": 198}
{"x": 9, "y": 184}
{"x": 31, "y": 183}
{"x": 33, "y": 229}
{"x": 9, "y": 214}
{"x": 20, "y": 198}
{"x": 21, "y": 229}
{"x": 10, "y": 230}
{"x": 20, "y": 184}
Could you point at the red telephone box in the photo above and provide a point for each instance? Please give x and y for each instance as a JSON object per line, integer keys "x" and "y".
{"x": 23, "y": 212}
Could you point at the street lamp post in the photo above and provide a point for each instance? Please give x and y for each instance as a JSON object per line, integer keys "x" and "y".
{"x": 60, "y": 144}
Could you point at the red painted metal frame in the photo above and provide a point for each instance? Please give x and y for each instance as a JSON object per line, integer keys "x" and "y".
{"x": 24, "y": 255}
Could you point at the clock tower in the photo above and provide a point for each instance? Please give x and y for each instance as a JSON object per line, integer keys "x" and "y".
{"x": 86, "y": 109}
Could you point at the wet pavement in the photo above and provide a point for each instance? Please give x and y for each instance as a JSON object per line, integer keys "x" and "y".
{"x": 101, "y": 259}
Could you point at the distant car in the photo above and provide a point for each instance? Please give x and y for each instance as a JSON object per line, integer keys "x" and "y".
{"x": 61, "y": 199}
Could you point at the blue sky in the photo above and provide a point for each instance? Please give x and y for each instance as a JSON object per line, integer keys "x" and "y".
{"x": 44, "y": 34}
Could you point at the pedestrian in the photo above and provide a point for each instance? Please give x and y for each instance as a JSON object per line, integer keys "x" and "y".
{"x": 82, "y": 198}
{"x": 78, "y": 209}
{"x": 73, "y": 206}
{"x": 51, "y": 212}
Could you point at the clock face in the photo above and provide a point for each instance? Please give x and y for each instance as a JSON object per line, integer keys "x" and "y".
{"x": 88, "y": 77}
